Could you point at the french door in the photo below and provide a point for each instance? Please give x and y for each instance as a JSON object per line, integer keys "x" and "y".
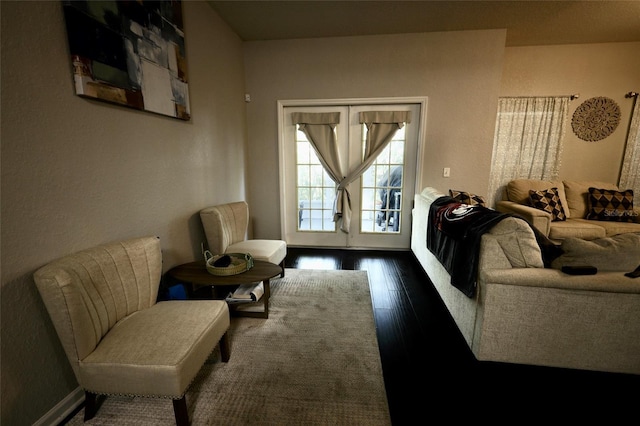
{"x": 381, "y": 198}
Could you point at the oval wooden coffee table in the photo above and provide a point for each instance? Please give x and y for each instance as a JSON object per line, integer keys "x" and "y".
{"x": 197, "y": 275}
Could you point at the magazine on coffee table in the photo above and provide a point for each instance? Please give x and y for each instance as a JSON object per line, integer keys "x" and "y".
{"x": 246, "y": 293}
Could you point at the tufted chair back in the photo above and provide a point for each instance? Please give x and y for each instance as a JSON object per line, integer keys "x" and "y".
{"x": 225, "y": 225}
{"x": 87, "y": 293}
{"x": 119, "y": 341}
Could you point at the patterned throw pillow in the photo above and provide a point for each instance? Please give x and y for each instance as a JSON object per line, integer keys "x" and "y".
{"x": 610, "y": 205}
{"x": 548, "y": 200}
{"x": 467, "y": 198}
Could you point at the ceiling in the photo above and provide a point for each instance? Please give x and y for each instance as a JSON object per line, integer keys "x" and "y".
{"x": 527, "y": 22}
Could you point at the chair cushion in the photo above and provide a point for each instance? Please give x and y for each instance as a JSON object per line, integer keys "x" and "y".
{"x": 273, "y": 251}
{"x": 156, "y": 351}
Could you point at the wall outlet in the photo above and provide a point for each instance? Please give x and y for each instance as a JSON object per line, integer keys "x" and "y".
{"x": 446, "y": 172}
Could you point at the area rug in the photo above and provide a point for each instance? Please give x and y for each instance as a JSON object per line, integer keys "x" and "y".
{"x": 314, "y": 361}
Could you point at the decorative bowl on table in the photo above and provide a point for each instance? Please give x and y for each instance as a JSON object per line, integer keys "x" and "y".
{"x": 228, "y": 263}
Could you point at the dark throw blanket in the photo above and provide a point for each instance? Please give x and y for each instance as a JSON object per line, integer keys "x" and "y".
{"x": 453, "y": 236}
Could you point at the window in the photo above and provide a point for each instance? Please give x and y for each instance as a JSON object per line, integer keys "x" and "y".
{"x": 316, "y": 190}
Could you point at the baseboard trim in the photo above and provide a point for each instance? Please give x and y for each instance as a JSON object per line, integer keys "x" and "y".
{"x": 61, "y": 410}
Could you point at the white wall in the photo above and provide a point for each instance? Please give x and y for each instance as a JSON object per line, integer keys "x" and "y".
{"x": 459, "y": 72}
{"x": 77, "y": 173}
{"x": 590, "y": 70}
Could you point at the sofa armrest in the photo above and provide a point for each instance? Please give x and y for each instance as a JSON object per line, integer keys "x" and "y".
{"x": 541, "y": 278}
{"x": 536, "y": 217}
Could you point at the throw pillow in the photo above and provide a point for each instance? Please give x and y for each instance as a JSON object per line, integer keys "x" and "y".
{"x": 618, "y": 253}
{"x": 611, "y": 205}
{"x": 518, "y": 191}
{"x": 548, "y": 200}
{"x": 577, "y": 194}
{"x": 467, "y": 198}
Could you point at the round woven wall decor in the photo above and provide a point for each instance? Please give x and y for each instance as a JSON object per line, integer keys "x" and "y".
{"x": 595, "y": 119}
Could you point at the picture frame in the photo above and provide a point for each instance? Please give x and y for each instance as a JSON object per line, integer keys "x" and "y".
{"x": 130, "y": 53}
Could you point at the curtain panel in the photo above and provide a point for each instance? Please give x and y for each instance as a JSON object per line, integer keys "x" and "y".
{"x": 630, "y": 173}
{"x": 320, "y": 130}
{"x": 528, "y": 141}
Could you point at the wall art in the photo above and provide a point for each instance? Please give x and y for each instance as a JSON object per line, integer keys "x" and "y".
{"x": 595, "y": 119}
{"x": 130, "y": 53}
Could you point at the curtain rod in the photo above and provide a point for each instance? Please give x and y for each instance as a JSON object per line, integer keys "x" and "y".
{"x": 572, "y": 97}
{"x": 631, "y": 95}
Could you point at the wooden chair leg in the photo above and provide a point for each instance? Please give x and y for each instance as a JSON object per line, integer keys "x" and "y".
{"x": 225, "y": 347}
{"x": 90, "y": 406}
{"x": 181, "y": 412}
{"x": 282, "y": 266}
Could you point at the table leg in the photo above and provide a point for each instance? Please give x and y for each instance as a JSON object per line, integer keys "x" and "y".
{"x": 267, "y": 295}
{"x": 265, "y": 303}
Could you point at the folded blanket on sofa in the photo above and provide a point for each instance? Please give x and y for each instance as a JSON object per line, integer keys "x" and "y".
{"x": 453, "y": 236}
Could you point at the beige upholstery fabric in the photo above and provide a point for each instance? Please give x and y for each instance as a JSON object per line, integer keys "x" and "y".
{"x": 609, "y": 228}
{"x": 538, "y": 218}
{"x": 536, "y": 315}
{"x": 577, "y": 193}
{"x": 226, "y": 228}
{"x": 617, "y": 253}
{"x": 273, "y": 251}
{"x": 88, "y": 292}
{"x": 560, "y": 327}
{"x": 517, "y": 243}
{"x": 518, "y": 191}
{"x": 102, "y": 302}
{"x": 548, "y": 278}
{"x": 224, "y": 225}
{"x": 576, "y": 228}
{"x": 574, "y": 198}
{"x": 133, "y": 360}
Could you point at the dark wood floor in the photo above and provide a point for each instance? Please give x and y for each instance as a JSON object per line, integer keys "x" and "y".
{"x": 430, "y": 372}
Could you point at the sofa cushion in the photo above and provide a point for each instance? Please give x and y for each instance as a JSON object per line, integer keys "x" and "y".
{"x": 548, "y": 200}
{"x": 577, "y": 228}
{"x": 610, "y": 205}
{"x": 518, "y": 191}
{"x": 609, "y": 228}
{"x": 518, "y": 243}
{"x": 617, "y": 253}
{"x": 576, "y": 196}
{"x": 468, "y": 198}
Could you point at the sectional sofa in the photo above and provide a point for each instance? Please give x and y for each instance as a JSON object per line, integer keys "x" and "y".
{"x": 568, "y": 213}
{"x": 523, "y": 312}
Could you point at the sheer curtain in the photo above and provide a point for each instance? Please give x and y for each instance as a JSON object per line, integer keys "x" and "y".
{"x": 320, "y": 130}
{"x": 528, "y": 140}
{"x": 630, "y": 174}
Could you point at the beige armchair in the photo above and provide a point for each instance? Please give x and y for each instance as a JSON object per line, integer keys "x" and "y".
{"x": 226, "y": 228}
{"x": 119, "y": 341}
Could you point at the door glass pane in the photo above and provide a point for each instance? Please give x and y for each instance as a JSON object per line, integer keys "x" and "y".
{"x": 315, "y": 189}
{"x": 381, "y": 189}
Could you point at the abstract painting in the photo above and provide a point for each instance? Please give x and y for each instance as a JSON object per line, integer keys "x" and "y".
{"x": 130, "y": 53}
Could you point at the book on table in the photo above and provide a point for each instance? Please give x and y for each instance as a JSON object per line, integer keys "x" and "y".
{"x": 246, "y": 293}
